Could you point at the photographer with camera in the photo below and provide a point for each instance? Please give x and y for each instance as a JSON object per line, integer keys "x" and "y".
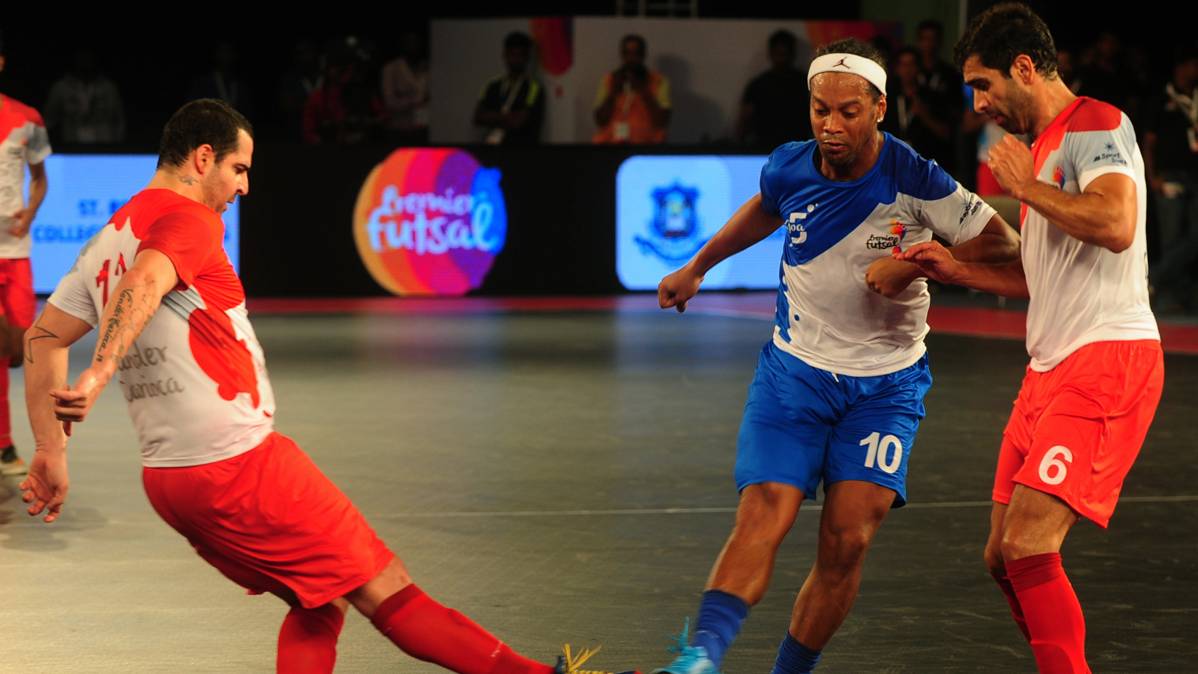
{"x": 633, "y": 102}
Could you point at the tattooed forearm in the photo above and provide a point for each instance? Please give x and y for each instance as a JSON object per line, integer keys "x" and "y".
{"x": 34, "y": 334}
{"x": 132, "y": 309}
{"x": 119, "y": 306}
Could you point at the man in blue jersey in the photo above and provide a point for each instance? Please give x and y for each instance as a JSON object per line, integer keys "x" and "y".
{"x": 838, "y": 393}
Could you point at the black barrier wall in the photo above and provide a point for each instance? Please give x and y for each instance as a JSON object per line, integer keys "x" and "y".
{"x": 297, "y": 223}
{"x": 297, "y": 236}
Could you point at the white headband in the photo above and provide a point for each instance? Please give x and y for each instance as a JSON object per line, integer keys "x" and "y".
{"x": 849, "y": 63}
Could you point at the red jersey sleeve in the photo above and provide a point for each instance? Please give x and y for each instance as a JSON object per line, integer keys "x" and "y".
{"x": 188, "y": 240}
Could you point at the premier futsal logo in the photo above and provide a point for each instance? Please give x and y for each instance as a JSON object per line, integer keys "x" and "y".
{"x": 430, "y": 222}
{"x": 892, "y": 240}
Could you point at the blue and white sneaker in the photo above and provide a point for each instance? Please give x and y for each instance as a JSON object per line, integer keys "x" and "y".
{"x": 691, "y": 659}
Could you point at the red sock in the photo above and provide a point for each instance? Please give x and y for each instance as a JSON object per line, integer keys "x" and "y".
{"x": 1054, "y": 616}
{"x": 424, "y": 629}
{"x": 1004, "y": 584}
{"x": 308, "y": 640}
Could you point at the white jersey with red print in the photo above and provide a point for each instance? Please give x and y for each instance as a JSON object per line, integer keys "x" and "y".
{"x": 195, "y": 379}
{"x": 1083, "y": 293}
{"x": 23, "y": 140}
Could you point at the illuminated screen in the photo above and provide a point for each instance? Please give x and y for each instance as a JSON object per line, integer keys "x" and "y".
{"x": 667, "y": 207}
{"x": 85, "y": 190}
{"x": 430, "y": 221}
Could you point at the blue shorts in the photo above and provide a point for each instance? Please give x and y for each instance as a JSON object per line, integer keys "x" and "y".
{"x": 803, "y": 424}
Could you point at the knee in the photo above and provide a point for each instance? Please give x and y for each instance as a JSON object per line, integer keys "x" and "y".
{"x": 1016, "y": 544}
{"x": 993, "y": 557}
{"x": 393, "y": 578}
{"x": 842, "y": 550}
{"x": 765, "y": 516}
{"x": 328, "y": 618}
{"x": 367, "y": 598}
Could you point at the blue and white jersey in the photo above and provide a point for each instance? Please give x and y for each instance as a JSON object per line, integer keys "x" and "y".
{"x": 826, "y": 314}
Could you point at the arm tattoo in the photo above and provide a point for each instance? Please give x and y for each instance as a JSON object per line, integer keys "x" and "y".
{"x": 132, "y": 310}
{"x": 38, "y": 332}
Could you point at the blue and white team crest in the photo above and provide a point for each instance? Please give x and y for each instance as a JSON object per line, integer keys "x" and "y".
{"x": 674, "y": 230}
{"x": 669, "y": 206}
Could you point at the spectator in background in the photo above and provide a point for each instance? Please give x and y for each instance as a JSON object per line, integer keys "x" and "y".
{"x": 1067, "y": 69}
{"x": 633, "y": 102}
{"x": 404, "y": 83}
{"x": 985, "y": 133}
{"x": 222, "y": 81}
{"x": 84, "y": 106}
{"x": 1171, "y": 165}
{"x": 942, "y": 86}
{"x": 512, "y": 106}
{"x": 774, "y": 108}
{"x": 346, "y": 109}
{"x": 914, "y": 113}
{"x": 936, "y": 74}
{"x": 885, "y": 44}
{"x": 1107, "y": 77}
{"x": 296, "y": 86}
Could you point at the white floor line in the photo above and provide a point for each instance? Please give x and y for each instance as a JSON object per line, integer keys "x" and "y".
{"x": 1183, "y": 498}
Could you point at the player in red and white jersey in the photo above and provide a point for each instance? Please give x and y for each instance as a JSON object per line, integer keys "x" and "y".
{"x": 174, "y": 333}
{"x": 195, "y": 378}
{"x": 23, "y": 142}
{"x": 1097, "y": 370}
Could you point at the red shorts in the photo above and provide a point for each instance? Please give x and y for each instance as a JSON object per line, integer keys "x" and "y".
{"x": 1076, "y": 430}
{"x": 270, "y": 521}
{"x": 17, "y": 301}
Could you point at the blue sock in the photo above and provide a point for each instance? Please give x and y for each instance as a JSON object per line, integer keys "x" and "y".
{"x": 720, "y": 616}
{"x": 794, "y": 658}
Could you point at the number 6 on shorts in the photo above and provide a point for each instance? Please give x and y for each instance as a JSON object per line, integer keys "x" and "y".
{"x": 1053, "y": 469}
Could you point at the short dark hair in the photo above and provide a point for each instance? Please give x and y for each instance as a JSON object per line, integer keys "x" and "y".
{"x": 783, "y": 38}
{"x": 1000, "y": 34}
{"x": 851, "y": 45}
{"x": 908, "y": 49}
{"x": 206, "y": 121}
{"x": 517, "y": 40}
{"x": 633, "y": 37}
{"x": 930, "y": 24}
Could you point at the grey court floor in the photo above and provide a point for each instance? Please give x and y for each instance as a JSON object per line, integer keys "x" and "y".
{"x": 566, "y": 477}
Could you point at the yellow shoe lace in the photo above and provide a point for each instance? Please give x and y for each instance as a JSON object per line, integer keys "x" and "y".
{"x": 575, "y": 661}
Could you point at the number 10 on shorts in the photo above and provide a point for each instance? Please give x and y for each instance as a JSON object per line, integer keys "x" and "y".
{"x": 879, "y": 448}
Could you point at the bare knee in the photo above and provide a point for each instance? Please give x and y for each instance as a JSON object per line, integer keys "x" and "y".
{"x": 765, "y": 514}
{"x": 993, "y": 557}
{"x": 1036, "y": 523}
{"x": 842, "y": 551}
{"x": 367, "y": 598}
{"x": 1016, "y": 544}
{"x": 1022, "y": 537}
